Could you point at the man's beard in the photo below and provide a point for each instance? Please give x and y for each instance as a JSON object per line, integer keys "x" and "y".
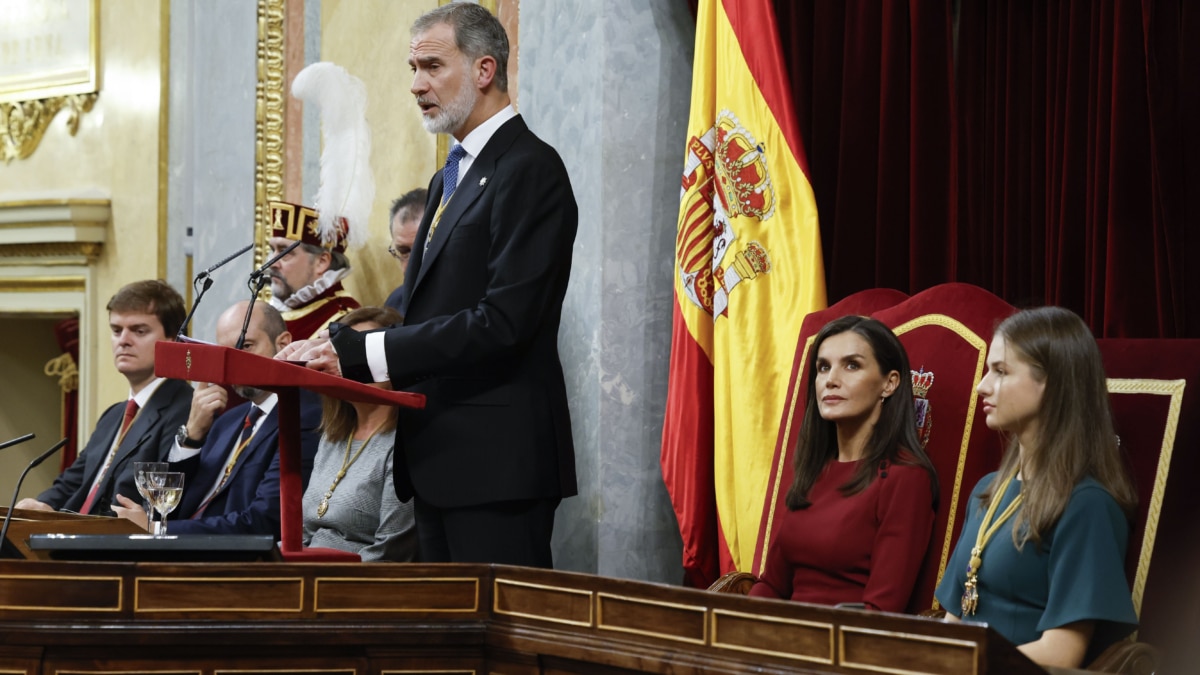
{"x": 248, "y": 393}
{"x": 453, "y": 113}
{"x": 280, "y": 288}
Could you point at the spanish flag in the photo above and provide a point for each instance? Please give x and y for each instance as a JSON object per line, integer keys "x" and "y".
{"x": 747, "y": 270}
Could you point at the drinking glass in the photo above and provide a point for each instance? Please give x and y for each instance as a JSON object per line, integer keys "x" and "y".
{"x": 165, "y": 489}
{"x": 140, "y": 469}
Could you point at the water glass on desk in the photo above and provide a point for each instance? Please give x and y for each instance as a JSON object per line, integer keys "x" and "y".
{"x": 164, "y": 489}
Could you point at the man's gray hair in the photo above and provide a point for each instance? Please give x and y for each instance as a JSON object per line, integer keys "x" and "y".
{"x": 477, "y": 33}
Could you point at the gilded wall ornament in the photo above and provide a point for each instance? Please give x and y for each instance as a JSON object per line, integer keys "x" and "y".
{"x": 23, "y": 123}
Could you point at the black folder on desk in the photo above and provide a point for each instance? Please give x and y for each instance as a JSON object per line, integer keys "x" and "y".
{"x": 148, "y": 548}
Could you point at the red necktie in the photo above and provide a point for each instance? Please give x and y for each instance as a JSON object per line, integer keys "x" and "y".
{"x": 131, "y": 411}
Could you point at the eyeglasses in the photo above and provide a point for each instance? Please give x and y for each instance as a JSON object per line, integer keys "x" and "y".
{"x": 399, "y": 255}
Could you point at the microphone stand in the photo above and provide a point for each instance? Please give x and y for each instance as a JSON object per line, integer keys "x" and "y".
{"x": 201, "y": 289}
{"x": 13, "y": 504}
{"x": 258, "y": 279}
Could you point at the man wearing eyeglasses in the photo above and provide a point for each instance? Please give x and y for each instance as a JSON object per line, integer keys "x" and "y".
{"x": 403, "y": 220}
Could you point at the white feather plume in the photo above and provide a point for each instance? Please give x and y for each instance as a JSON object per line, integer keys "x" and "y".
{"x": 347, "y": 184}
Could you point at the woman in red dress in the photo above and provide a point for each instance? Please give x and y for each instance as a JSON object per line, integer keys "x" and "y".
{"x": 864, "y": 494}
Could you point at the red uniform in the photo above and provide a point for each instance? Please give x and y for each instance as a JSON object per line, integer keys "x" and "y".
{"x": 305, "y": 322}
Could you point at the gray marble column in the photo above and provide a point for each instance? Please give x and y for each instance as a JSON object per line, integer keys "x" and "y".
{"x": 211, "y": 132}
{"x": 608, "y": 84}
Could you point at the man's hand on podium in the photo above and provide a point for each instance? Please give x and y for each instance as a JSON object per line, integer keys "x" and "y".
{"x": 317, "y": 354}
{"x": 33, "y": 505}
{"x": 131, "y": 511}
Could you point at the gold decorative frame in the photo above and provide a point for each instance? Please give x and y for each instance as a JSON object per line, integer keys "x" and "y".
{"x": 1173, "y": 389}
{"x": 29, "y": 103}
{"x": 269, "y": 117}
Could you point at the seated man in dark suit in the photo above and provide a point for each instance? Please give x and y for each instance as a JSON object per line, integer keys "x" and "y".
{"x": 139, "y": 429}
{"x": 232, "y": 461}
{"x": 404, "y": 218}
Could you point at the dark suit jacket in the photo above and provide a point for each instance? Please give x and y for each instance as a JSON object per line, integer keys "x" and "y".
{"x": 395, "y": 298}
{"x": 480, "y": 335}
{"x": 248, "y": 503}
{"x": 149, "y": 439}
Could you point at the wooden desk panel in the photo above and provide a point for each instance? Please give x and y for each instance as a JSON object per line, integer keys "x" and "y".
{"x": 84, "y": 617}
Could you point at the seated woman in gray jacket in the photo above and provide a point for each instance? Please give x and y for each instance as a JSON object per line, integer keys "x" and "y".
{"x": 351, "y": 502}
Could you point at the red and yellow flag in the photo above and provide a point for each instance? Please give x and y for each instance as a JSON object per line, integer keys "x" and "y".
{"x": 747, "y": 270}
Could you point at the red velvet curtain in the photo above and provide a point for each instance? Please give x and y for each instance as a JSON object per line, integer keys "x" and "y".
{"x": 1043, "y": 151}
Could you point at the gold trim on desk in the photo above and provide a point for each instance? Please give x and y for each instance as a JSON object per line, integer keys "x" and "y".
{"x": 701, "y": 611}
{"x": 24, "y": 578}
{"x": 139, "y": 609}
{"x": 911, "y": 637}
{"x": 369, "y": 580}
{"x": 591, "y": 610}
{"x": 430, "y": 671}
{"x": 716, "y": 640}
{"x": 139, "y": 671}
{"x": 285, "y": 671}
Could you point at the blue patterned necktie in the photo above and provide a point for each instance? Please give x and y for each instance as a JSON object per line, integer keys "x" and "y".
{"x": 450, "y": 172}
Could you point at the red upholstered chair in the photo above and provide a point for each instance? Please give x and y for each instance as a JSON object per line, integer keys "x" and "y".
{"x": 946, "y": 331}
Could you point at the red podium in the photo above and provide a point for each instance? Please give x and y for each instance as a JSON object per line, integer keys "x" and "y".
{"x": 206, "y": 362}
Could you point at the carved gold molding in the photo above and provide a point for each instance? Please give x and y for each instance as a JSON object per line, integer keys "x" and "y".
{"x": 12, "y": 254}
{"x": 23, "y": 123}
{"x": 72, "y": 284}
{"x": 268, "y": 128}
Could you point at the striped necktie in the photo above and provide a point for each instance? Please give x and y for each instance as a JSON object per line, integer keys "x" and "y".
{"x": 131, "y": 411}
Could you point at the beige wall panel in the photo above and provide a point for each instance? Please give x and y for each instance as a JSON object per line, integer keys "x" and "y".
{"x": 369, "y": 38}
{"x": 115, "y": 154}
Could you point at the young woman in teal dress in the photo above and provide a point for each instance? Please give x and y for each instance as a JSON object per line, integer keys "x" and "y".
{"x": 1041, "y": 555}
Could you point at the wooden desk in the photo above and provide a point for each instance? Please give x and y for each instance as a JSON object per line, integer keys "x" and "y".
{"x": 28, "y": 522}
{"x": 374, "y": 619}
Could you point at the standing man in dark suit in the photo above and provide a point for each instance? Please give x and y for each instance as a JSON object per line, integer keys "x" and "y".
{"x": 491, "y": 455}
{"x": 139, "y": 429}
{"x": 232, "y": 461}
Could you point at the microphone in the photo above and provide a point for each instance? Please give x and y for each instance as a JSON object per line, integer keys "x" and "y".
{"x": 258, "y": 279}
{"x": 201, "y": 289}
{"x": 231, "y": 258}
{"x": 274, "y": 259}
{"x": 16, "y": 441}
{"x": 12, "y": 505}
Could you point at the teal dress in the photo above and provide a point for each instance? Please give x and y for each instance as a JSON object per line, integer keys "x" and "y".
{"x": 1076, "y": 574}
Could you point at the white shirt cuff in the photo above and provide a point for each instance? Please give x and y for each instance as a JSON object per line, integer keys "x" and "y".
{"x": 179, "y": 453}
{"x": 377, "y": 357}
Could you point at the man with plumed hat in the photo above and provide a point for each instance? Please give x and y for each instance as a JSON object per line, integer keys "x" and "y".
{"x": 306, "y": 283}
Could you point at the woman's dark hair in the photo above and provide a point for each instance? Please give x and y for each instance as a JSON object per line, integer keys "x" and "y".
{"x": 894, "y": 438}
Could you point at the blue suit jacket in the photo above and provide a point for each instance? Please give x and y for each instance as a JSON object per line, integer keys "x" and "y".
{"x": 149, "y": 439}
{"x": 248, "y": 503}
